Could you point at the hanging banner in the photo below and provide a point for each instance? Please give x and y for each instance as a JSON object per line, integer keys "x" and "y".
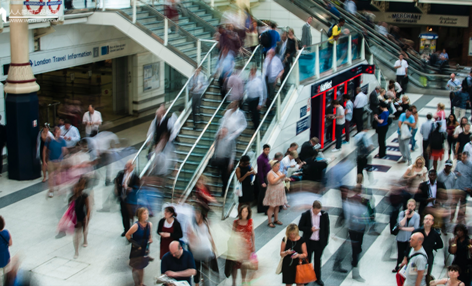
{"x": 422, "y": 19}
{"x": 40, "y": 9}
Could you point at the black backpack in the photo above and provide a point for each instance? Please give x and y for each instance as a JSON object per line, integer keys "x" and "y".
{"x": 436, "y": 139}
{"x": 266, "y": 39}
{"x": 330, "y": 31}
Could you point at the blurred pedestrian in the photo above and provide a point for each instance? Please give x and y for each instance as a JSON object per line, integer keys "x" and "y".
{"x": 348, "y": 112}
{"x": 307, "y": 39}
{"x": 462, "y": 140}
{"x": 244, "y": 227}
{"x": 92, "y": 120}
{"x": 292, "y": 249}
{"x": 169, "y": 229}
{"x": 236, "y": 85}
{"x": 126, "y": 184}
{"x": 451, "y": 123}
{"x": 364, "y": 147}
{"x": 436, "y": 144}
{"x": 233, "y": 120}
{"x": 316, "y": 228}
{"x": 404, "y": 139}
{"x": 201, "y": 243}
{"x": 463, "y": 172}
{"x": 43, "y": 137}
{"x": 460, "y": 247}
{"x": 408, "y": 220}
{"x": 252, "y": 36}
{"x": 198, "y": 84}
{"x": 360, "y": 103}
{"x": 291, "y": 51}
{"x": 414, "y": 113}
{"x": 350, "y": 6}
{"x": 382, "y": 128}
{"x": 3, "y": 142}
{"x": 425, "y": 131}
{"x": 5, "y": 243}
{"x": 203, "y": 192}
{"x": 273, "y": 71}
{"x": 56, "y": 150}
{"x": 178, "y": 263}
{"x": 461, "y": 98}
{"x": 160, "y": 125}
{"x": 244, "y": 175}
{"x": 223, "y": 157}
{"x": 82, "y": 211}
{"x": 273, "y": 36}
{"x": 340, "y": 122}
{"x": 275, "y": 193}
{"x": 335, "y": 34}
{"x": 256, "y": 95}
{"x": 140, "y": 236}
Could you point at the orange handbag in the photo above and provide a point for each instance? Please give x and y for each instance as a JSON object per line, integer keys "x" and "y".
{"x": 305, "y": 273}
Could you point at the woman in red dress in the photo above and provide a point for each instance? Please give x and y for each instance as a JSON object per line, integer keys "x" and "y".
{"x": 243, "y": 226}
{"x": 169, "y": 229}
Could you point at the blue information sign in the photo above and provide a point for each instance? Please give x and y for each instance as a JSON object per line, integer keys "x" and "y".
{"x": 303, "y": 125}
{"x": 303, "y": 111}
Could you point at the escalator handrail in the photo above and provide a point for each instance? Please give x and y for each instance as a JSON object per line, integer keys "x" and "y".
{"x": 258, "y": 130}
{"x": 182, "y": 91}
{"x": 190, "y": 186}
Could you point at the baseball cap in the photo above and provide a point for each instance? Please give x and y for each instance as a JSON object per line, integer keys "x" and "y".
{"x": 448, "y": 163}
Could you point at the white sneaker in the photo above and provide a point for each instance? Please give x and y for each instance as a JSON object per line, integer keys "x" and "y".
{"x": 335, "y": 150}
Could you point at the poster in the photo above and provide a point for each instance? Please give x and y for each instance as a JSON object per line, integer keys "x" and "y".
{"x": 151, "y": 78}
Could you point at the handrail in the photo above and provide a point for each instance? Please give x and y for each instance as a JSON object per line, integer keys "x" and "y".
{"x": 201, "y": 134}
{"x": 175, "y": 100}
{"x": 258, "y": 130}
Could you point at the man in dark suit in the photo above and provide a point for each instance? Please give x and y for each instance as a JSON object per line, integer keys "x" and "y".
{"x": 126, "y": 185}
{"x": 315, "y": 226}
{"x": 427, "y": 192}
{"x": 308, "y": 149}
{"x": 374, "y": 100}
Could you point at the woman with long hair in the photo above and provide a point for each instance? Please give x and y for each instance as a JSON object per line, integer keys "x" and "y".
{"x": 460, "y": 246}
{"x": 140, "y": 235}
{"x": 82, "y": 211}
{"x": 451, "y": 124}
{"x": 243, "y": 226}
{"x": 244, "y": 174}
{"x": 460, "y": 128}
{"x": 44, "y": 136}
{"x": 169, "y": 229}
{"x": 417, "y": 170}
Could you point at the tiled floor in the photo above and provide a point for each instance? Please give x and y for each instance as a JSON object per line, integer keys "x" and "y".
{"x": 32, "y": 222}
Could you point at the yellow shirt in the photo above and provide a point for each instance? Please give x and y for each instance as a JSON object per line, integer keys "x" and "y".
{"x": 336, "y": 31}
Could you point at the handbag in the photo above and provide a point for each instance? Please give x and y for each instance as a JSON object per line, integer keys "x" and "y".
{"x": 305, "y": 272}
{"x": 68, "y": 220}
{"x": 405, "y": 132}
{"x": 238, "y": 190}
{"x": 395, "y": 229}
{"x": 279, "y": 267}
{"x": 252, "y": 263}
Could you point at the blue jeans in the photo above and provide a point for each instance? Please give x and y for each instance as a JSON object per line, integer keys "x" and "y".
{"x": 412, "y": 139}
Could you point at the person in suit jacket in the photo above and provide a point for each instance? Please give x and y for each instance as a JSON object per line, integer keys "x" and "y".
{"x": 306, "y": 33}
{"x": 126, "y": 185}
{"x": 427, "y": 192}
{"x": 315, "y": 226}
{"x": 374, "y": 100}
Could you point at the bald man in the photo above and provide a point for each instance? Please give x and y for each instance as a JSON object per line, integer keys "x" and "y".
{"x": 432, "y": 241}
{"x": 178, "y": 263}
{"x": 416, "y": 263}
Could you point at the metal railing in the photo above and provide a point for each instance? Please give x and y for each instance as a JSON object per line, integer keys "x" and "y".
{"x": 257, "y": 134}
{"x": 189, "y": 188}
{"x": 183, "y": 94}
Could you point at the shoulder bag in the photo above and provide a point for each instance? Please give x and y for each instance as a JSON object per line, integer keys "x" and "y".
{"x": 279, "y": 267}
{"x": 305, "y": 272}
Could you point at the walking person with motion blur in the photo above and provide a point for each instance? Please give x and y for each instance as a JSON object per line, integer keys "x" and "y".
{"x": 82, "y": 211}
{"x": 348, "y": 112}
{"x": 244, "y": 227}
{"x": 56, "y": 150}
{"x": 292, "y": 249}
{"x": 126, "y": 183}
{"x": 451, "y": 124}
{"x": 197, "y": 85}
{"x": 436, "y": 144}
{"x": 275, "y": 194}
{"x": 256, "y": 93}
{"x": 244, "y": 175}
{"x": 403, "y": 136}
{"x": 169, "y": 229}
{"x": 5, "y": 243}
{"x": 273, "y": 71}
{"x": 307, "y": 40}
{"x": 140, "y": 236}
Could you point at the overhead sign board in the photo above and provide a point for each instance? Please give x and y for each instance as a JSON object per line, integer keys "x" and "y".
{"x": 422, "y": 19}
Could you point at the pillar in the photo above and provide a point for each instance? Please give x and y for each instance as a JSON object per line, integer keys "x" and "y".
{"x": 21, "y": 104}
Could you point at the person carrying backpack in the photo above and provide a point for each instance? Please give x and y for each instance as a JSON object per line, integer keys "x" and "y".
{"x": 436, "y": 144}
{"x": 333, "y": 34}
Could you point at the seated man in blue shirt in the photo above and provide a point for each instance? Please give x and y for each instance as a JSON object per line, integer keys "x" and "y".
{"x": 178, "y": 263}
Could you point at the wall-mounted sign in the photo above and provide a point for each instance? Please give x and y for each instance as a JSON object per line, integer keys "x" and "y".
{"x": 303, "y": 111}
{"x": 151, "y": 78}
{"x": 422, "y": 19}
{"x": 303, "y": 125}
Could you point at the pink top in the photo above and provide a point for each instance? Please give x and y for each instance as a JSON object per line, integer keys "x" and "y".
{"x": 440, "y": 115}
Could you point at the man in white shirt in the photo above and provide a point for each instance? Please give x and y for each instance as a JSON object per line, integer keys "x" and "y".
{"x": 274, "y": 70}
{"x": 256, "y": 94}
{"x": 70, "y": 133}
{"x": 359, "y": 103}
{"x": 402, "y": 70}
{"x": 340, "y": 121}
{"x": 351, "y": 6}
{"x": 306, "y": 33}
{"x": 289, "y": 162}
{"x": 234, "y": 121}
{"x": 196, "y": 86}
{"x": 425, "y": 131}
{"x": 453, "y": 84}
{"x": 92, "y": 119}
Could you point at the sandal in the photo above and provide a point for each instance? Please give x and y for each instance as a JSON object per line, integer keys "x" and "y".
{"x": 271, "y": 225}
{"x": 278, "y": 222}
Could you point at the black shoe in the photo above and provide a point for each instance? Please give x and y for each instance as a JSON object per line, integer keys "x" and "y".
{"x": 339, "y": 269}
{"x": 124, "y": 233}
{"x": 319, "y": 282}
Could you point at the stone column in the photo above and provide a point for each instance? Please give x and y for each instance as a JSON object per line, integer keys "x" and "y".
{"x": 21, "y": 104}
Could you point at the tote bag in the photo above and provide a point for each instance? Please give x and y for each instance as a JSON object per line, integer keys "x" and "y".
{"x": 405, "y": 132}
{"x": 305, "y": 272}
